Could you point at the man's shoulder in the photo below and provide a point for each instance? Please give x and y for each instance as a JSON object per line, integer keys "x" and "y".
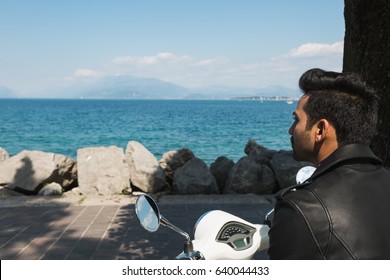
{"x": 341, "y": 179}
{"x": 309, "y": 192}
{"x": 294, "y": 192}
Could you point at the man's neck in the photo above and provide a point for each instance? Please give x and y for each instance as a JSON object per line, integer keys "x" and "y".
{"x": 326, "y": 151}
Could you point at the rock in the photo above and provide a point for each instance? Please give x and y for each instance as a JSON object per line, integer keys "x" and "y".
{"x": 73, "y": 192}
{"x": 251, "y": 176}
{"x": 29, "y": 171}
{"x": 286, "y": 168}
{"x": 145, "y": 172}
{"x": 252, "y": 148}
{"x": 173, "y": 160}
{"x": 103, "y": 170}
{"x": 52, "y": 189}
{"x": 3, "y": 154}
{"x": 194, "y": 178}
{"x": 220, "y": 170}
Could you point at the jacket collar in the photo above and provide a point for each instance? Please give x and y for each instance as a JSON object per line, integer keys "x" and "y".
{"x": 356, "y": 152}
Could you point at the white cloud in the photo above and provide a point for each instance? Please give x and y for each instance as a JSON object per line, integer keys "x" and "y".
{"x": 315, "y": 49}
{"x": 149, "y": 60}
{"x": 82, "y": 73}
{"x": 287, "y": 68}
{"x": 165, "y": 55}
{"x": 204, "y": 62}
{"x": 191, "y": 71}
{"x": 211, "y": 62}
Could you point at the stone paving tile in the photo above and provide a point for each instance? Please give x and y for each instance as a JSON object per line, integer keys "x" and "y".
{"x": 102, "y": 232}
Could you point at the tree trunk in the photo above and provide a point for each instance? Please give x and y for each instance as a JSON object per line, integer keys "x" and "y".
{"x": 367, "y": 52}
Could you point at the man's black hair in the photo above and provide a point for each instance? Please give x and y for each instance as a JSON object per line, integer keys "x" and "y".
{"x": 345, "y": 101}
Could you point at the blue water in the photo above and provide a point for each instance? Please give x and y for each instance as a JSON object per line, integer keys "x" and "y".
{"x": 209, "y": 128}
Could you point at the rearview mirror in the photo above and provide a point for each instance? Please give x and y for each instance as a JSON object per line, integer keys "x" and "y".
{"x": 147, "y": 213}
{"x": 304, "y": 173}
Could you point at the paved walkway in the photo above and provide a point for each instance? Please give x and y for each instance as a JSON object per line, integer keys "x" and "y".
{"x": 106, "y": 232}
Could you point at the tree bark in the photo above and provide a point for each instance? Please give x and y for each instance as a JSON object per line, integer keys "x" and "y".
{"x": 367, "y": 52}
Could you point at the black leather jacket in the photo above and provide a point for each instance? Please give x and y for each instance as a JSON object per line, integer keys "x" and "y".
{"x": 341, "y": 212}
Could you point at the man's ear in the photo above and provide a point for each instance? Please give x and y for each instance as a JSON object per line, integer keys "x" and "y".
{"x": 322, "y": 128}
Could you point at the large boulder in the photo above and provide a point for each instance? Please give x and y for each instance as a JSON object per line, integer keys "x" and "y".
{"x": 250, "y": 175}
{"x": 285, "y": 168}
{"x": 3, "y": 154}
{"x": 252, "y": 148}
{"x": 102, "y": 170}
{"x": 145, "y": 172}
{"x": 194, "y": 178}
{"x": 221, "y": 170}
{"x": 173, "y": 160}
{"x": 280, "y": 162}
{"x": 29, "y": 171}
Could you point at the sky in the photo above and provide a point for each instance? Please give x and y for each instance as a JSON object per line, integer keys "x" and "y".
{"x": 193, "y": 43}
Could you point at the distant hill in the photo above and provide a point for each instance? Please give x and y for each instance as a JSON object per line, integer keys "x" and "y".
{"x": 221, "y": 92}
{"x": 218, "y": 92}
{"x": 7, "y": 93}
{"x": 278, "y": 90}
{"x": 127, "y": 87}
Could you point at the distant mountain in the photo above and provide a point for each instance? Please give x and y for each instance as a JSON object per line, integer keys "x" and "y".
{"x": 221, "y": 92}
{"x": 128, "y": 87}
{"x": 7, "y": 93}
{"x": 218, "y": 92}
{"x": 278, "y": 90}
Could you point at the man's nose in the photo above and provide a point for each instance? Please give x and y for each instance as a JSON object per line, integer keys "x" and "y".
{"x": 291, "y": 130}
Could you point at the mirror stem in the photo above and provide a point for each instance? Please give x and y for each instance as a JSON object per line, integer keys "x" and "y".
{"x": 166, "y": 223}
{"x": 188, "y": 247}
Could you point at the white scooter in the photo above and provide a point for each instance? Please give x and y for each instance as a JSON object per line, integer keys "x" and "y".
{"x": 218, "y": 235}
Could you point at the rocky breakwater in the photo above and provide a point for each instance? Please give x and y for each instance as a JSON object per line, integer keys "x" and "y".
{"x": 113, "y": 170}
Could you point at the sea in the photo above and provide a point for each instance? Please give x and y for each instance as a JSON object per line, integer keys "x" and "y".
{"x": 209, "y": 128}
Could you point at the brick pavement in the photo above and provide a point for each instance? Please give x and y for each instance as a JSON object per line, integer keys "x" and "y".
{"x": 103, "y": 232}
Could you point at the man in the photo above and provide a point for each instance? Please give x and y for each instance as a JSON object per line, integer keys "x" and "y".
{"x": 343, "y": 210}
